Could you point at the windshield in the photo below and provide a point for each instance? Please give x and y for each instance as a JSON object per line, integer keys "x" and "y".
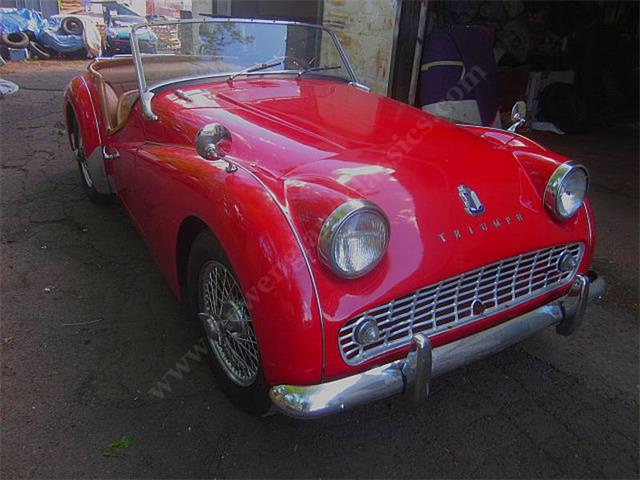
{"x": 238, "y": 48}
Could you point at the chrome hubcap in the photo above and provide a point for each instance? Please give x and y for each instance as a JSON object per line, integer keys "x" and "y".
{"x": 227, "y": 324}
{"x": 211, "y": 328}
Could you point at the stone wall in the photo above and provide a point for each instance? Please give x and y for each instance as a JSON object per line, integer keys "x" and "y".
{"x": 365, "y": 30}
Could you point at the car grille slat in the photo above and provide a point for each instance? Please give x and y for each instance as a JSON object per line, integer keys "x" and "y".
{"x": 449, "y": 303}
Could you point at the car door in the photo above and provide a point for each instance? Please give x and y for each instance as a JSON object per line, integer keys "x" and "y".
{"x": 160, "y": 166}
{"x": 120, "y": 151}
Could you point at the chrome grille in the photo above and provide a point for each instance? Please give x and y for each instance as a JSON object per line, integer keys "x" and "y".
{"x": 454, "y": 302}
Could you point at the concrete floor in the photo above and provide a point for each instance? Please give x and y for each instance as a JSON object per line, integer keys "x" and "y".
{"x": 89, "y": 327}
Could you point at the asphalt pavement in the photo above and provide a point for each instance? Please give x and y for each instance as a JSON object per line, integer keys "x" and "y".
{"x": 89, "y": 328}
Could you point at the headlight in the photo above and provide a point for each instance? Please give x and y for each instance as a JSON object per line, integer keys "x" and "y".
{"x": 354, "y": 238}
{"x": 566, "y": 190}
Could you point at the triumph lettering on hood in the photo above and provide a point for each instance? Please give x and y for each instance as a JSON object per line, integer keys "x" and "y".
{"x": 469, "y": 230}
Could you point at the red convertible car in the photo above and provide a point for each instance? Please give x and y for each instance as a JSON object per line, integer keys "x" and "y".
{"x": 337, "y": 246}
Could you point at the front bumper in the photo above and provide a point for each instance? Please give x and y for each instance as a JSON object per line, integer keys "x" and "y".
{"x": 413, "y": 374}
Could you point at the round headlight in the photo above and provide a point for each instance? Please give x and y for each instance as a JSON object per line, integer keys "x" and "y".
{"x": 566, "y": 190}
{"x": 354, "y": 238}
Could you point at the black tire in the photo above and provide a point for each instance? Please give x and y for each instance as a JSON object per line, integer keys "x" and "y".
{"x": 38, "y": 51}
{"x": 15, "y": 40}
{"x": 85, "y": 177}
{"x": 72, "y": 26}
{"x": 253, "y": 398}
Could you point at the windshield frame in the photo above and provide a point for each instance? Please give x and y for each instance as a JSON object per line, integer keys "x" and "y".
{"x": 146, "y": 92}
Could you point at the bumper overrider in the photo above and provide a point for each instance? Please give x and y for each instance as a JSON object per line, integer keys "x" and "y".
{"x": 413, "y": 374}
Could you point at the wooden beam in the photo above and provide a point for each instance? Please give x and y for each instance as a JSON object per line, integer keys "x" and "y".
{"x": 408, "y": 50}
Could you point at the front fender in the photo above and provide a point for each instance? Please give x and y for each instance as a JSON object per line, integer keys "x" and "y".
{"x": 257, "y": 237}
{"x": 81, "y": 103}
{"x": 539, "y": 163}
{"x": 81, "y": 96}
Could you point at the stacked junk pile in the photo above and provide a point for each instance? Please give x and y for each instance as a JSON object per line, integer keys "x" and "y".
{"x": 565, "y": 59}
{"x": 24, "y": 34}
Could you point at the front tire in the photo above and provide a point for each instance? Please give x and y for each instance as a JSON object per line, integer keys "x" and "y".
{"x": 85, "y": 176}
{"x": 215, "y": 299}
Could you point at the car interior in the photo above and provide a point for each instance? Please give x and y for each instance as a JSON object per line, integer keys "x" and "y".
{"x": 118, "y": 85}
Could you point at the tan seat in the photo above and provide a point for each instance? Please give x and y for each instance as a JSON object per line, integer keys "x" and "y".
{"x": 111, "y": 105}
{"x": 117, "y": 108}
{"x": 125, "y": 105}
{"x": 117, "y": 90}
{"x": 117, "y": 81}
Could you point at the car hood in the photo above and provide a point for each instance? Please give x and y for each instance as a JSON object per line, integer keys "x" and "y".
{"x": 316, "y": 144}
{"x": 284, "y": 127}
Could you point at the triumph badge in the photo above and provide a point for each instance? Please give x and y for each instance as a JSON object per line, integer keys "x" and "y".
{"x": 472, "y": 203}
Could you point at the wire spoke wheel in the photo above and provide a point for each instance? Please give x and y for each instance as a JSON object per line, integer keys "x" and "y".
{"x": 86, "y": 177}
{"x": 227, "y": 324}
{"x": 82, "y": 160}
{"x": 85, "y": 172}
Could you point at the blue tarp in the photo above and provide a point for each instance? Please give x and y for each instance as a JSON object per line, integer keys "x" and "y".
{"x": 14, "y": 20}
{"x": 46, "y": 32}
{"x": 52, "y": 37}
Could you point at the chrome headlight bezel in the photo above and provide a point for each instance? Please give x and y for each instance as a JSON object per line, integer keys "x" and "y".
{"x": 332, "y": 225}
{"x": 554, "y": 185}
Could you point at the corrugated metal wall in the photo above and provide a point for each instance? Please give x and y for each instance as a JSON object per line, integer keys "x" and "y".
{"x": 46, "y": 7}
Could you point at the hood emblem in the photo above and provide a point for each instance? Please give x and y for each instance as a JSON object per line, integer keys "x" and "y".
{"x": 472, "y": 203}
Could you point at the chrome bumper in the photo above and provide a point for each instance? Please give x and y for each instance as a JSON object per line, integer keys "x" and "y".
{"x": 413, "y": 374}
